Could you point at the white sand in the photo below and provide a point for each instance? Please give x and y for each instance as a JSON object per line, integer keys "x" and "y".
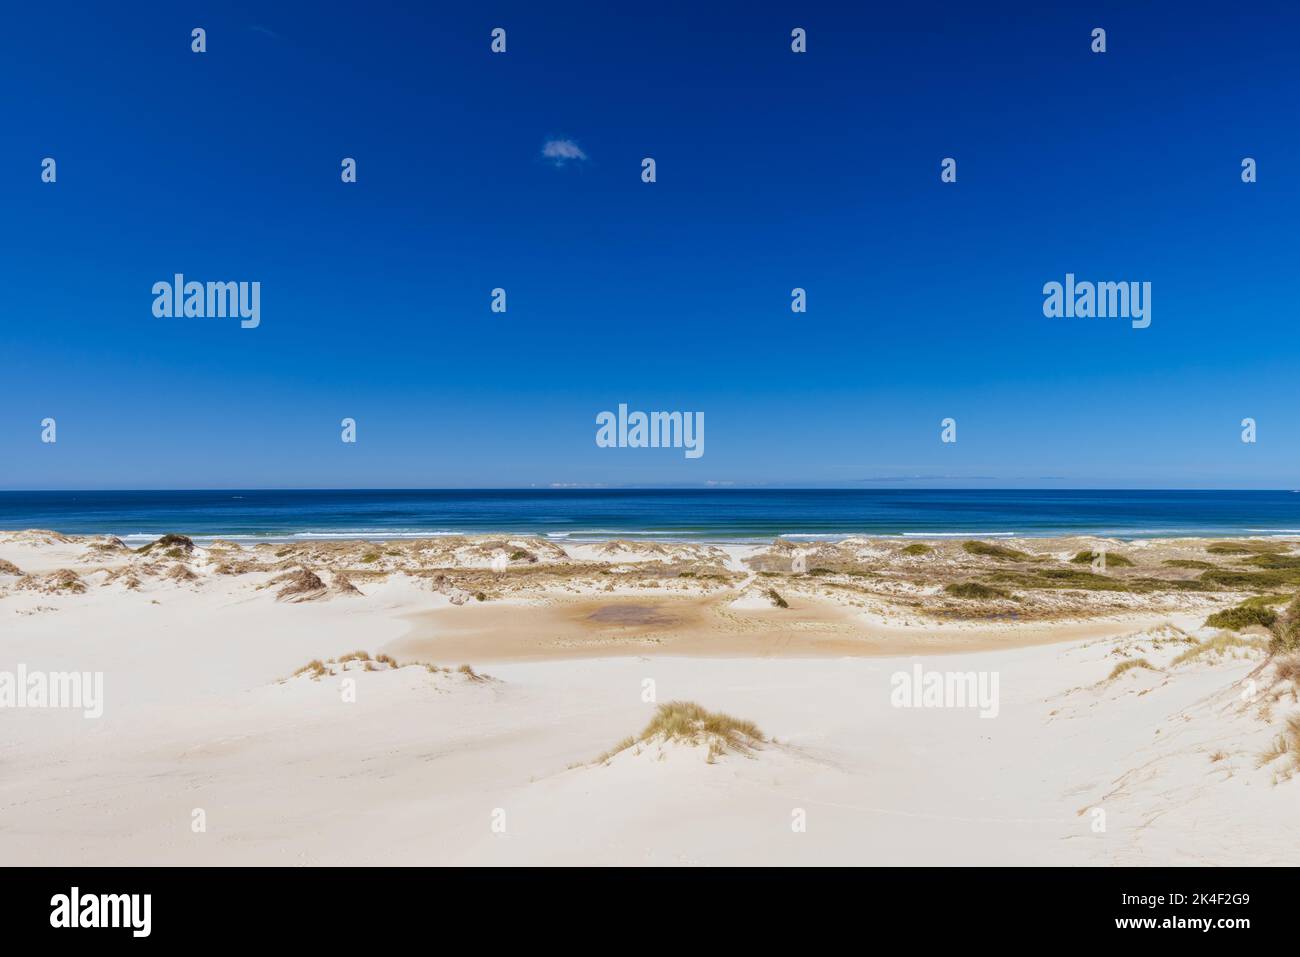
{"x": 419, "y": 768}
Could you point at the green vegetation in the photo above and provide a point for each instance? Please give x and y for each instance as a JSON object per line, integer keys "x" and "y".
{"x": 1274, "y": 561}
{"x": 369, "y": 557}
{"x": 1244, "y": 548}
{"x": 1252, "y": 611}
{"x": 777, "y": 599}
{"x": 1112, "y": 560}
{"x": 1252, "y": 581}
{"x": 917, "y": 548}
{"x": 1000, "y": 552}
{"x": 1187, "y": 563}
{"x": 1066, "y": 578}
{"x": 974, "y": 590}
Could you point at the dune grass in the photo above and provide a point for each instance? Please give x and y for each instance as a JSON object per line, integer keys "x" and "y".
{"x": 1286, "y": 744}
{"x": 1286, "y": 630}
{"x": 1288, "y": 669}
{"x": 1218, "y": 645}
{"x": 917, "y": 548}
{"x": 689, "y": 723}
{"x": 777, "y": 599}
{"x": 1126, "y": 666}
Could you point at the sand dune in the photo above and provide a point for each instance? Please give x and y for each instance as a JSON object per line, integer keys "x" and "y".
{"x": 1182, "y": 758}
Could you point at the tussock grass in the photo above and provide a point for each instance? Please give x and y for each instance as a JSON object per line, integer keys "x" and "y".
{"x": 1286, "y": 630}
{"x": 171, "y": 542}
{"x": 316, "y": 668}
{"x": 1187, "y": 563}
{"x": 999, "y": 552}
{"x": 1288, "y": 669}
{"x": 1125, "y": 666}
{"x": 1113, "y": 559}
{"x": 917, "y": 548}
{"x": 1286, "y": 744}
{"x": 688, "y": 723}
{"x": 777, "y": 599}
{"x": 1220, "y": 644}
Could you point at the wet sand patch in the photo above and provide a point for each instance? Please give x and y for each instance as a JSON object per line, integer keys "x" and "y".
{"x": 705, "y": 627}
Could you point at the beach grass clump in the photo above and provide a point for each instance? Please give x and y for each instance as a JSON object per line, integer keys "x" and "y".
{"x": 315, "y": 668}
{"x": 1126, "y": 666}
{"x": 1286, "y": 744}
{"x": 1221, "y": 644}
{"x": 370, "y": 557}
{"x": 686, "y": 722}
{"x": 1288, "y": 669}
{"x": 777, "y": 599}
{"x": 1286, "y": 630}
{"x": 975, "y": 591}
{"x": 174, "y": 545}
{"x": 917, "y": 548}
{"x": 1187, "y": 563}
{"x": 999, "y": 552}
{"x": 1113, "y": 559}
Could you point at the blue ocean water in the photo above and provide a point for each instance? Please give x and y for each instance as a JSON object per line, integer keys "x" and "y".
{"x": 720, "y": 515}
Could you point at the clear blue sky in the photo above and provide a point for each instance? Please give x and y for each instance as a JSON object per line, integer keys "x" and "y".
{"x": 775, "y": 170}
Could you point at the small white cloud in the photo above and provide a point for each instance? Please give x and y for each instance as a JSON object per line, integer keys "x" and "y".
{"x": 560, "y": 152}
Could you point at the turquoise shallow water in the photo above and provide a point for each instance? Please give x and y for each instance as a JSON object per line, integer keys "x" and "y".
{"x": 711, "y": 515}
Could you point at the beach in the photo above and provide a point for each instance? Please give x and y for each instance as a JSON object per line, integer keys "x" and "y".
{"x": 485, "y": 699}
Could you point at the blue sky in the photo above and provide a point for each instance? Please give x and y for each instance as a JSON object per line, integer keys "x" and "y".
{"x": 775, "y": 170}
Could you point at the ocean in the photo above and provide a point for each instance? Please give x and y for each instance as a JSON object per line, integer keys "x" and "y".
{"x": 719, "y": 515}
